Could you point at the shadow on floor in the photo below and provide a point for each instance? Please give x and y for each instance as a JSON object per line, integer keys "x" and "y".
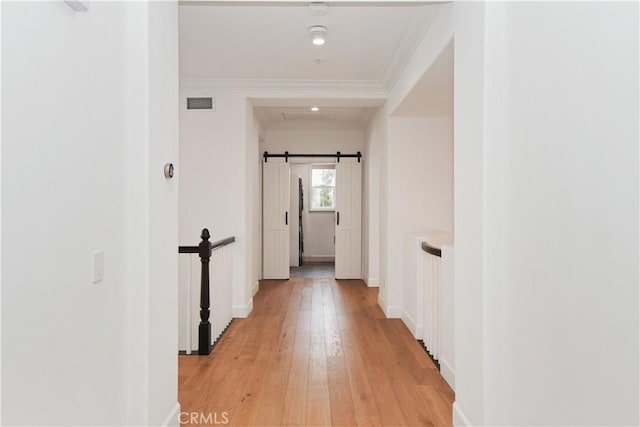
{"x": 316, "y": 270}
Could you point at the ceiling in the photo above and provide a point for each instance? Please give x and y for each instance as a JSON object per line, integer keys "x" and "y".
{"x": 366, "y": 43}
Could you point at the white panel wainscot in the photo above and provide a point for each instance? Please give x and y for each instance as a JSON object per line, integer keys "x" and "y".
{"x": 429, "y": 275}
{"x": 412, "y": 291}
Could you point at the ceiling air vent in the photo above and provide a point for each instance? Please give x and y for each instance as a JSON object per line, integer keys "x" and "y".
{"x": 200, "y": 103}
{"x": 305, "y": 116}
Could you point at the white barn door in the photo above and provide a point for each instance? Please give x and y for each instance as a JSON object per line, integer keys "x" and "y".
{"x": 276, "y": 216}
{"x": 348, "y": 219}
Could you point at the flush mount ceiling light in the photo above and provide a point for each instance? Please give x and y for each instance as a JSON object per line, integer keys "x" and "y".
{"x": 314, "y": 109}
{"x": 318, "y": 33}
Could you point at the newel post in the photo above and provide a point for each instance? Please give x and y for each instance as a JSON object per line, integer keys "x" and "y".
{"x": 204, "y": 330}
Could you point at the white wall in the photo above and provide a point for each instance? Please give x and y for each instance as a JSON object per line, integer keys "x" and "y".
{"x": 254, "y": 201}
{"x": 371, "y": 213}
{"x": 1, "y": 222}
{"x": 79, "y": 175}
{"x": 469, "y": 213}
{"x": 420, "y": 180}
{"x": 161, "y": 70}
{"x": 562, "y": 213}
{"x": 216, "y": 183}
{"x": 546, "y": 178}
{"x": 311, "y": 139}
{"x": 319, "y": 227}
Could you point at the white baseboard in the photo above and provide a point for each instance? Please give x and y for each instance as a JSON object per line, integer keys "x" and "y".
{"x": 382, "y": 303}
{"x": 459, "y": 419}
{"x": 318, "y": 258}
{"x": 446, "y": 370}
{"x": 394, "y": 312}
{"x": 173, "y": 419}
{"x": 372, "y": 282}
{"x": 242, "y": 311}
{"x": 255, "y": 289}
{"x": 391, "y": 311}
{"x": 411, "y": 324}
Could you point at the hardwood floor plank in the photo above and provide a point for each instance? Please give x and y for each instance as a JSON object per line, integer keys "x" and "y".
{"x": 340, "y": 398}
{"x": 318, "y": 402}
{"x": 361, "y": 391}
{"x": 295, "y": 401}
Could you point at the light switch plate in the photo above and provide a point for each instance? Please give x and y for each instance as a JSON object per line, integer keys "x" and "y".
{"x": 97, "y": 266}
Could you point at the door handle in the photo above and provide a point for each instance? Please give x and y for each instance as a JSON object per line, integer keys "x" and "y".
{"x": 338, "y": 213}
{"x": 286, "y": 218}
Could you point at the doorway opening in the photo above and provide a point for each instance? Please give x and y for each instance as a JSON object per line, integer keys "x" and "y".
{"x": 312, "y": 230}
{"x": 326, "y": 226}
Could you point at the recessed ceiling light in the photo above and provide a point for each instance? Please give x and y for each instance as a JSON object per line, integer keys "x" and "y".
{"x": 318, "y": 33}
{"x": 315, "y": 109}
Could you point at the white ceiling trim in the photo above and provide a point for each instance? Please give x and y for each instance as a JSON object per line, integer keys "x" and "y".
{"x": 270, "y": 90}
{"x": 335, "y": 85}
{"x": 416, "y": 32}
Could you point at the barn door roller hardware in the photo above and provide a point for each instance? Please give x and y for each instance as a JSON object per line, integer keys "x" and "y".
{"x": 338, "y": 155}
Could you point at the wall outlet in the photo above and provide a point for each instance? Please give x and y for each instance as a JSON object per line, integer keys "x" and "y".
{"x": 97, "y": 266}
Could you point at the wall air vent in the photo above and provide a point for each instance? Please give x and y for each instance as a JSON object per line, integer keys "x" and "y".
{"x": 308, "y": 116}
{"x": 200, "y": 103}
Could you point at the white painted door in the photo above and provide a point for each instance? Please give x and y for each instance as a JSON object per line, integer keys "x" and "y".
{"x": 276, "y": 216}
{"x": 348, "y": 219}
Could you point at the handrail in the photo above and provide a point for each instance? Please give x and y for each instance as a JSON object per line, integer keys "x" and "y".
{"x": 204, "y": 250}
{"x": 223, "y": 242}
{"x": 215, "y": 245}
{"x": 431, "y": 250}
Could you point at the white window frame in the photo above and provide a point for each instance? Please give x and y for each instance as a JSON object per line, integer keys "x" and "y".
{"x": 312, "y": 187}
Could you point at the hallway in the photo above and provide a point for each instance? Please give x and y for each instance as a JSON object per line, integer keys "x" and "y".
{"x": 315, "y": 352}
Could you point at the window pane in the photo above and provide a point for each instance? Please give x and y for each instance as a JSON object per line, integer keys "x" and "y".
{"x": 329, "y": 177}
{"x": 323, "y": 198}
{"x": 316, "y": 177}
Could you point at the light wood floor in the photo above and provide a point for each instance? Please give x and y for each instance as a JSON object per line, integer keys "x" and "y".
{"x": 315, "y": 352}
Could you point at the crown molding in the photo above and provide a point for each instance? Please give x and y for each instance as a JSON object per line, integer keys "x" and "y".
{"x": 407, "y": 45}
{"x": 369, "y": 86}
